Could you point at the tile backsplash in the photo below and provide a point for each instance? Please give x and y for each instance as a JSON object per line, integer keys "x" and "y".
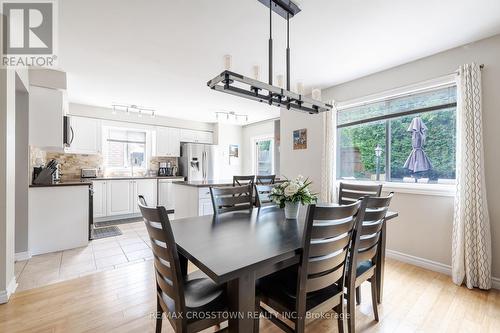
{"x": 71, "y": 164}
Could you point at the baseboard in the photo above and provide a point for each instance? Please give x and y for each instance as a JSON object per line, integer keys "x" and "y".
{"x": 430, "y": 265}
{"x": 5, "y": 294}
{"x": 21, "y": 256}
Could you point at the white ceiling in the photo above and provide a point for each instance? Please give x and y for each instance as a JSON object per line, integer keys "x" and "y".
{"x": 161, "y": 53}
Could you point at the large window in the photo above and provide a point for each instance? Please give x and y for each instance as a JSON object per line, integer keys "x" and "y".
{"x": 376, "y": 142}
{"x": 124, "y": 149}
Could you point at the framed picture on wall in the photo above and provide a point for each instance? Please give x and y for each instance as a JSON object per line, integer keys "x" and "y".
{"x": 300, "y": 139}
{"x": 234, "y": 154}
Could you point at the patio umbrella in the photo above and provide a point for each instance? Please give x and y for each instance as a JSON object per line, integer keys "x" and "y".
{"x": 418, "y": 160}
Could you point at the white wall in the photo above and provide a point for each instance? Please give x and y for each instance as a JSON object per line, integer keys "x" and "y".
{"x": 425, "y": 224}
{"x": 250, "y": 132}
{"x": 8, "y": 80}
{"x": 227, "y": 134}
{"x": 438, "y": 212}
{"x": 305, "y": 162}
{"x": 105, "y": 113}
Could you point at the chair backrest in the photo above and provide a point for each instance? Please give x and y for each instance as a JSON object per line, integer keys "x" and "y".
{"x": 349, "y": 193}
{"x": 262, "y": 193}
{"x": 373, "y": 221}
{"x": 169, "y": 280}
{"x": 265, "y": 180}
{"x": 328, "y": 235}
{"x": 226, "y": 199}
{"x": 243, "y": 180}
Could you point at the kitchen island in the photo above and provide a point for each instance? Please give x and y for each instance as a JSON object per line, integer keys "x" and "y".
{"x": 192, "y": 198}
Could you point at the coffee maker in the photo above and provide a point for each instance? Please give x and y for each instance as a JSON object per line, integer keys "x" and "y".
{"x": 166, "y": 169}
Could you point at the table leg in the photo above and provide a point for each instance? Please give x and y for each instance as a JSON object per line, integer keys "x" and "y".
{"x": 381, "y": 264}
{"x": 241, "y": 298}
{"x": 184, "y": 265}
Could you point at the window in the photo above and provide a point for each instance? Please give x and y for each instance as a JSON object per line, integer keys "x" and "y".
{"x": 124, "y": 149}
{"x": 385, "y": 124}
{"x": 264, "y": 156}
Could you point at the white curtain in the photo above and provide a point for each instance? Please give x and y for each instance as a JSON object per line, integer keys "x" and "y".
{"x": 328, "y": 160}
{"x": 471, "y": 244}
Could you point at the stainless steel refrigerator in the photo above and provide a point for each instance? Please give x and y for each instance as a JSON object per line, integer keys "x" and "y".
{"x": 198, "y": 161}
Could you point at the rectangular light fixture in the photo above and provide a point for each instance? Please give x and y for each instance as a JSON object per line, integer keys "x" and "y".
{"x": 242, "y": 86}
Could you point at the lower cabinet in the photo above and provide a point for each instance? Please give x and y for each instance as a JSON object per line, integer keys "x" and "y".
{"x": 205, "y": 206}
{"x": 119, "y": 197}
{"x": 166, "y": 193}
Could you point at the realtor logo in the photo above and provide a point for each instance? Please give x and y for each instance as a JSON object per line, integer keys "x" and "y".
{"x": 28, "y": 29}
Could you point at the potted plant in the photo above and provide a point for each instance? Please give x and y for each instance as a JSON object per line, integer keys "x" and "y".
{"x": 289, "y": 194}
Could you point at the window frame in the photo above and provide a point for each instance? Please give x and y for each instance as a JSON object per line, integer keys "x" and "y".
{"x": 429, "y": 85}
{"x": 147, "y": 149}
{"x": 254, "y": 141}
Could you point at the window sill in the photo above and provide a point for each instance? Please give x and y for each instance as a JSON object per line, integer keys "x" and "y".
{"x": 442, "y": 190}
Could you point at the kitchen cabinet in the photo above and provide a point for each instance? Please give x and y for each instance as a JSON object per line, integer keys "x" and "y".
{"x": 187, "y": 135}
{"x": 120, "y": 195}
{"x": 168, "y": 142}
{"x": 166, "y": 194}
{"x": 148, "y": 189}
{"x": 58, "y": 218}
{"x": 46, "y": 111}
{"x": 99, "y": 202}
{"x": 86, "y": 136}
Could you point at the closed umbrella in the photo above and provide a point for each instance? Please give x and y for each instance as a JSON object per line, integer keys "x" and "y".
{"x": 418, "y": 160}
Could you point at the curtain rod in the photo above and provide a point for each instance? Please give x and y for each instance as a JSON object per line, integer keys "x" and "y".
{"x": 458, "y": 70}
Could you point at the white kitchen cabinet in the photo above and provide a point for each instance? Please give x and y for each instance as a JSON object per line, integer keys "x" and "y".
{"x": 86, "y": 136}
{"x": 148, "y": 189}
{"x": 166, "y": 194}
{"x": 99, "y": 202}
{"x": 168, "y": 142}
{"x": 58, "y": 218}
{"x": 205, "y": 207}
{"x": 187, "y": 135}
{"x": 46, "y": 111}
{"x": 119, "y": 197}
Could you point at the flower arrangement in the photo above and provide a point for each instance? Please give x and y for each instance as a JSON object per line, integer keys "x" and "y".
{"x": 293, "y": 192}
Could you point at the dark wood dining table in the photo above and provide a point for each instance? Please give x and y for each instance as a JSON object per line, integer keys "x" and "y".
{"x": 239, "y": 247}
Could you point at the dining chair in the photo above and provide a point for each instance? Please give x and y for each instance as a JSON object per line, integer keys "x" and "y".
{"x": 183, "y": 298}
{"x": 368, "y": 250}
{"x": 265, "y": 179}
{"x": 349, "y": 193}
{"x": 262, "y": 193}
{"x": 243, "y": 180}
{"x": 316, "y": 285}
{"x": 227, "y": 199}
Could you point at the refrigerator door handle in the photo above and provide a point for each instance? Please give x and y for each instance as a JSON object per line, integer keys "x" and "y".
{"x": 203, "y": 165}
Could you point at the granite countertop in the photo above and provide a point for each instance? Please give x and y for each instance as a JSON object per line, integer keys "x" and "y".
{"x": 75, "y": 182}
{"x": 138, "y": 177}
{"x": 208, "y": 183}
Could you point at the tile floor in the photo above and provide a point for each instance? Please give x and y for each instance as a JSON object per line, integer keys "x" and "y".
{"x": 102, "y": 254}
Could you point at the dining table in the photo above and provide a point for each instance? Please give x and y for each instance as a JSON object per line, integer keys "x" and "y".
{"x": 237, "y": 248}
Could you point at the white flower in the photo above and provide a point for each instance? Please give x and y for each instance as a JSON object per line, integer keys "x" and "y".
{"x": 291, "y": 189}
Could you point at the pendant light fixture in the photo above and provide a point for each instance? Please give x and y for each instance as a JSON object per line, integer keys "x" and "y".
{"x": 242, "y": 86}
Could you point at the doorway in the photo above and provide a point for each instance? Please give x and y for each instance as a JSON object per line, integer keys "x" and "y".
{"x": 263, "y": 155}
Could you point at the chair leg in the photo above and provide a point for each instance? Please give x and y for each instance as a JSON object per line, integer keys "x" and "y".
{"x": 358, "y": 295}
{"x": 351, "y": 312}
{"x": 339, "y": 309}
{"x": 159, "y": 316}
{"x": 373, "y": 283}
{"x": 300, "y": 324}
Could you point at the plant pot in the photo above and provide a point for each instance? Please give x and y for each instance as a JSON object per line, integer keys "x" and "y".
{"x": 291, "y": 210}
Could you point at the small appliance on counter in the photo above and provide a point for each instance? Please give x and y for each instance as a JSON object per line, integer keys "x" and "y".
{"x": 167, "y": 170}
{"x": 88, "y": 173}
{"x": 47, "y": 175}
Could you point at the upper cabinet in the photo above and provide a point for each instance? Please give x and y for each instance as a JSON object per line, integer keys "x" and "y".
{"x": 168, "y": 142}
{"x": 85, "y": 136}
{"x": 46, "y": 111}
{"x": 196, "y": 136}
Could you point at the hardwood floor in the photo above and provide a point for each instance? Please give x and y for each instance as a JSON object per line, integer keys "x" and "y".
{"x": 121, "y": 300}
